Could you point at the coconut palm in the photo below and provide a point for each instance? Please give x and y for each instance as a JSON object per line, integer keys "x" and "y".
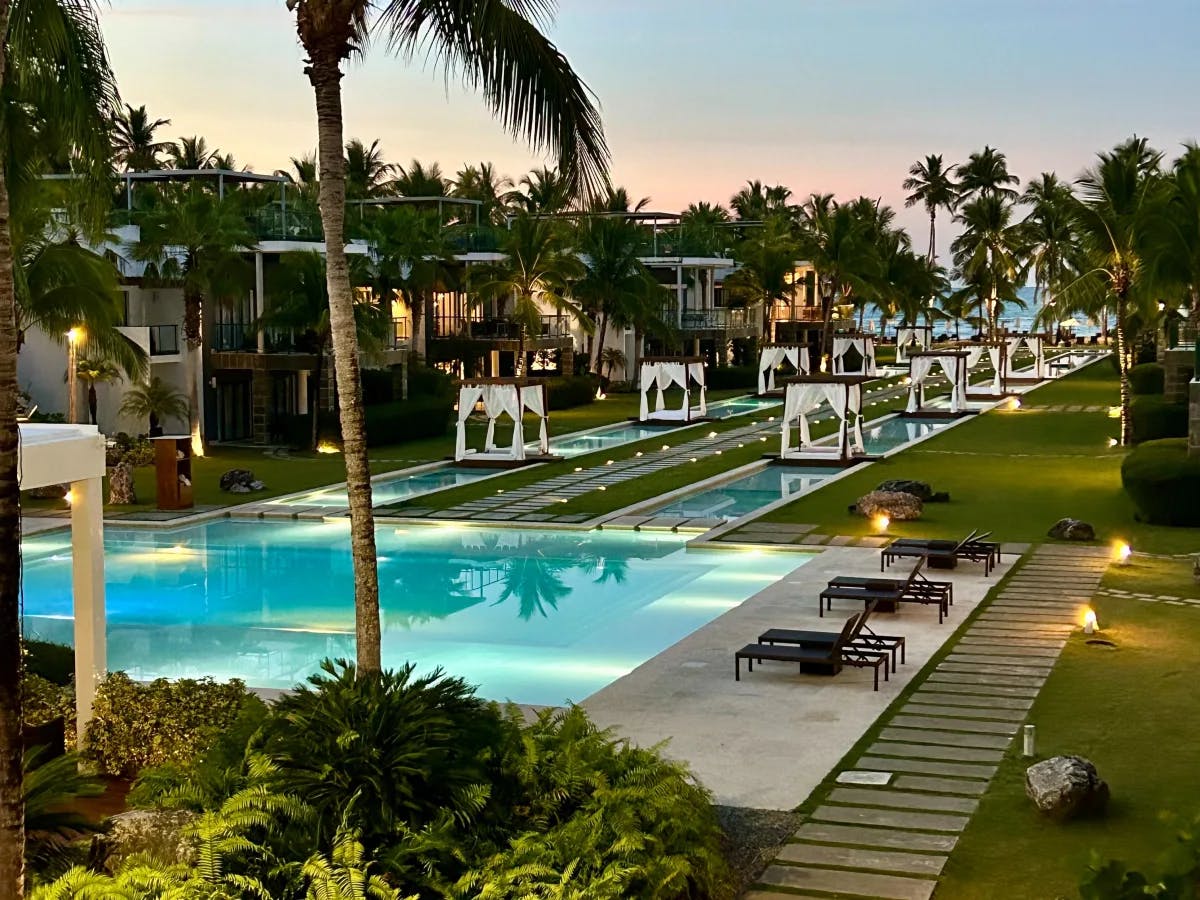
{"x": 532, "y": 88}
{"x": 1179, "y": 254}
{"x": 53, "y": 71}
{"x": 986, "y": 174}
{"x": 703, "y": 229}
{"x": 483, "y": 184}
{"x": 536, "y": 273}
{"x": 931, "y": 183}
{"x": 133, "y": 135}
{"x": 92, "y": 372}
{"x": 367, "y": 173}
{"x": 767, "y": 258}
{"x": 194, "y": 240}
{"x": 154, "y": 400}
{"x": 987, "y": 255}
{"x": 543, "y": 191}
{"x": 192, "y": 153}
{"x": 1047, "y": 233}
{"x": 756, "y": 201}
{"x": 1119, "y": 208}
{"x": 419, "y": 179}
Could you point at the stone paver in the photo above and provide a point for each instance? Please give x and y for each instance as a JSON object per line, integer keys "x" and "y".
{"x": 864, "y": 858}
{"x": 981, "y": 726}
{"x": 864, "y": 884}
{"x": 887, "y": 838}
{"x": 901, "y": 800}
{"x": 930, "y": 767}
{"x": 964, "y": 712}
{"x": 891, "y": 818}
{"x": 972, "y": 787}
{"x": 942, "y": 738}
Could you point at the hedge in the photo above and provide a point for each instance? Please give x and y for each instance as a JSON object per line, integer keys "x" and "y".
{"x": 1147, "y": 378}
{"x": 1164, "y": 482}
{"x": 721, "y": 378}
{"x": 1154, "y": 418}
{"x": 407, "y": 420}
{"x": 574, "y": 390}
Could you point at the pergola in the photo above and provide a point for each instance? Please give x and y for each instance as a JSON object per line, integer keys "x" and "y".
{"x": 955, "y": 364}
{"x": 807, "y": 392}
{"x": 659, "y": 373}
{"x": 997, "y": 353}
{"x": 502, "y": 397}
{"x": 771, "y": 356}
{"x": 910, "y": 338}
{"x": 74, "y": 455}
{"x": 1036, "y": 344}
{"x": 863, "y": 343}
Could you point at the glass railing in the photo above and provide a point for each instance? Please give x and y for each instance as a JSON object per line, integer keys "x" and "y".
{"x": 233, "y": 336}
{"x": 553, "y": 327}
{"x": 400, "y": 335}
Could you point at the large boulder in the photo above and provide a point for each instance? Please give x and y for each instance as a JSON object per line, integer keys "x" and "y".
{"x": 120, "y": 484}
{"x": 1066, "y": 787}
{"x": 895, "y": 505}
{"x": 919, "y": 489}
{"x": 1072, "y": 530}
{"x": 240, "y": 481}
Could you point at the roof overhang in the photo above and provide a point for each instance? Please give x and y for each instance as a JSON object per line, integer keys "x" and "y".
{"x": 58, "y": 454}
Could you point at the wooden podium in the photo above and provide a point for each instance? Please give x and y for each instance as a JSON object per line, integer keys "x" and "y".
{"x": 173, "y": 471}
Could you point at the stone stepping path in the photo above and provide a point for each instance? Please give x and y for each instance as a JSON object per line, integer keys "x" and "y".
{"x": 937, "y": 752}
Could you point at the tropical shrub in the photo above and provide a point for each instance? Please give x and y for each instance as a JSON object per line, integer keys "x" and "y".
{"x": 136, "y": 725}
{"x": 54, "y": 662}
{"x": 720, "y": 378}
{"x": 43, "y": 702}
{"x": 1154, "y": 418}
{"x": 138, "y": 450}
{"x": 1164, "y": 482}
{"x": 383, "y": 752}
{"x": 378, "y": 386}
{"x": 1147, "y": 378}
{"x": 52, "y": 827}
{"x": 425, "y": 381}
{"x": 573, "y": 390}
{"x": 1178, "y": 873}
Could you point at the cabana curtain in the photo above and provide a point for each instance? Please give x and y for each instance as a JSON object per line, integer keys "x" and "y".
{"x": 799, "y": 401}
{"x": 906, "y": 335}
{"x": 770, "y": 358}
{"x": 958, "y": 396}
{"x": 919, "y": 368}
{"x": 533, "y": 399}
{"x": 468, "y": 396}
{"x": 864, "y": 345}
{"x": 847, "y": 401}
{"x": 660, "y": 376}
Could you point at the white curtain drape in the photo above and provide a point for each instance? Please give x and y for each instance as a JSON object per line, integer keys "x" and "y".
{"x": 903, "y": 336}
{"x": 1039, "y": 357}
{"x": 974, "y": 355}
{"x": 533, "y": 399}
{"x": 919, "y": 368}
{"x": 798, "y": 357}
{"x": 846, "y": 401}
{"x": 840, "y": 346}
{"x": 768, "y": 359}
{"x": 695, "y": 371}
{"x": 468, "y": 396}
{"x": 1011, "y": 345}
{"x": 867, "y": 349}
{"x": 864, "y": 345}
{"x": 798, "y": 402}
{"x": 958, "y": 396}
{"x": 504, "y": 400}
{"x": 647, "y": 380}
{"x": 994, "y": 355}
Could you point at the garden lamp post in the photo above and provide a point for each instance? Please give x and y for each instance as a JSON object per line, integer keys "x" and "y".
{"x": 74, "y": 336}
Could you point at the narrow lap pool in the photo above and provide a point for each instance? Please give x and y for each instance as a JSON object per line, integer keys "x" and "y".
{"x": 392, "y": 490}
{"x": 532, "y": 616}
{"x": 742, "y": 496}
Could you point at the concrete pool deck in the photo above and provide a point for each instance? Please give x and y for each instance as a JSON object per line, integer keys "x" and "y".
{"x": 768, "y": 740}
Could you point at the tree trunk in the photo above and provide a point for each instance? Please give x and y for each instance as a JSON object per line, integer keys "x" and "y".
{"x": 1124, "y": 363}
{"x": 598, "y": 354}
{"x": 93, "y": 403}
{"x": 932, "y": 236}
{"x": 314, "y": 394}
{"x": 12, "y": 806}
{"x": 325, "y": 74}
{"x": 827, "y": 333}
{"x": 192, "y": 312}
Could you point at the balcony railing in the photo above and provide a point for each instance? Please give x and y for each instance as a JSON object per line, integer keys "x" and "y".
{"x": 717, "y": 318}
{"x": 164, "y": 340}
{"x": 400, "y": 334}
{"x": 498, "y": 329}
{"x": 781, "y": 313}
{"x": 233, "y": 336}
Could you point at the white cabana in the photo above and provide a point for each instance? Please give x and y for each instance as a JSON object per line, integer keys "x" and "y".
{"x": 772, "y": 356}
{"x": 954, "y": 365}
{"x": 998, "y": 355}
{"x": 658, "y": 373}
{"x": 74, "y": 455}
{"x": 864, "y": 344}
{"x": 511, "y": 397}
{"x": 803, "y": 396}
{"x": 910, "y": 338}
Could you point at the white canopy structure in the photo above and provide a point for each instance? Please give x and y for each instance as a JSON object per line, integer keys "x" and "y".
{"x": 658, "y": 373}
{"x": 511, "y": 397}
{"x": 1035, "y": 343}
{"x": 864, "y": 344}
{"x": 954, "y": 364}
{"x": 772, "y": 356}
{"x": 74, "y": 455}
{"x": 997, "y": 354}
{"x": 910, "y": 338}
{"x": 844, "y": 395}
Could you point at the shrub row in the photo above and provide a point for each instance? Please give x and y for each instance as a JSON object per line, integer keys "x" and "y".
{"x": 719, "y": 378}
{"x": 1147, "y": 378}
{"x": 1164, "y": 482}
{"x": 573, "y": 390}
{"x": 1154, "y": 418}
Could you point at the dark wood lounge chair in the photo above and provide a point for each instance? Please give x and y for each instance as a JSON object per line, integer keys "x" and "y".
{"x": 861, "y": 637}
{"x": 816, "y": 660}
{"x": 943, "y": 554}
{"x": 887, "y": 594}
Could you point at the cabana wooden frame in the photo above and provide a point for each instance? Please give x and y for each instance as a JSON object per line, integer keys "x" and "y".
{"x": 844, "y": 453}
{"x": 650, "y": 370}
{"x": 526, "y": 395}
{"x": 916, "y": 408}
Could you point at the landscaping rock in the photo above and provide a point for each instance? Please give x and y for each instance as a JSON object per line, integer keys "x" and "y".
{"x": 240, "y": 481}
{"x": 1196, "y": 568}
{"x": 150, "y": 832}
{"x": 919, "y": 489}
{"x": 893, "y": 504}
{"x": 49, "y": 492}
{"x": 1072, "y": 530}
{"x": 120, "y": 484}
{"x": 1066, "y": 787}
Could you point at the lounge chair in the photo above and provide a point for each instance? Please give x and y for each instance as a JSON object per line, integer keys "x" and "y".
{"x": 862, "y": 637}
{"x": 943, "y": 554}
{"x": 816, "y": 660}
{"x": 888, "y": 593}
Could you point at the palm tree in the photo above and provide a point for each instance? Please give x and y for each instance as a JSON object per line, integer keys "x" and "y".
{"x": 154, "y": 400}
{"x": 986, "y": 174}
{"x": 366, "y": 171}
{"x": 92, "y": 372}
{"x": 300, "y": 303}
{"x": 1118, "y": 208}
{"x": 767, "y": 258}
{"x": 194, "y": 240}
{"x": 756, "y": 201}
{"x": 702, "y": 229}
{"x": 481, "y": 183}
{"x": 987, "y": 255}
{"x": 536, "y": 94}
{"x": 545, "y": 192}
{"x": 133, "y": 135}
{"x": 1047, "y": 233}
{"x": 53, "y": 71}
{"x": 420, "y": 180}
{"x": 192, "y": 153}
{"x": 537, "y": 271}
{"x": 931, "y": 183}
{"x": 1180, "y": 252}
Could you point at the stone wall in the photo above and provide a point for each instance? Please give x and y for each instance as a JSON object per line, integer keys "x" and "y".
{"x": 1194, "y": 419}
{"x": 1179, "y": 367}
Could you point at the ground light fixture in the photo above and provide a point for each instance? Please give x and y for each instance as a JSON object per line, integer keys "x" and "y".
{"x": 1014, "y": 404}
{"x": 1029, "y": 740}
{"x": 881, "y": 523}
{"x": 1090, "y": 624}
{"x": 1121, "y": 553}
{"x": 1112, "y": 442}
{"x": 328, "y": 447}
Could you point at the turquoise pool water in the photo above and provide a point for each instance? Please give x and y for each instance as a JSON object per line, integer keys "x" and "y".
{"x": 741, "y": 496}
{"x": 393, "y": 490}
{"x": 532, "y": 616}
{"x": 605, "y": 438}
{"x": 736, "y": 406}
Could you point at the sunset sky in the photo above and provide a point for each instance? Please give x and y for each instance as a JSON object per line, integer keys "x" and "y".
{"x": 699, "y": 96}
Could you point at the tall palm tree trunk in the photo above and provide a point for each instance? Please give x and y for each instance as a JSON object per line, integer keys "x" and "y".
{"x": 932, "y": 236}
{"x": 314, "y": 392}
{"x": 1124, "y": 363}
{"x": 598, "y": 351}
{"x": 12, "y": 807}
{"x": 325, "y": 74}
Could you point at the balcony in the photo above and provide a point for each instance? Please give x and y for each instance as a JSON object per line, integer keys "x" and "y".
{"x": 233, "y": 336}
{"x": 718, "y": 318}
{"x": 808, "y": 314}
{"x": 160, "y": 342}
{"x": 503, "y": 329}
{"x": 400, "y": 335}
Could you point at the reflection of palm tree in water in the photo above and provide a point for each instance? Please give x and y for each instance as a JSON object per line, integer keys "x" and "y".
{"x": 435, "y": 588}
{"x": 534, "y": 574}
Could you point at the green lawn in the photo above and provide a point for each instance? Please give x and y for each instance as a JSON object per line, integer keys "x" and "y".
{"x": 1013, "y": 472}
{"x": 1132, "y": 711}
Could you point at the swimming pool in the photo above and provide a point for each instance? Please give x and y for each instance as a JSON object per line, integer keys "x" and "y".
{"x": 742, "y": 496}
{"x": 736, "y": 406}
{"x": 392, "y": 490}
{"x": 602, "y": 439}
{"x": 532, "y": 616}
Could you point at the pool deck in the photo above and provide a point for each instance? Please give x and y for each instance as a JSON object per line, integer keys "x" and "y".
{"x": 768, "y": 740}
